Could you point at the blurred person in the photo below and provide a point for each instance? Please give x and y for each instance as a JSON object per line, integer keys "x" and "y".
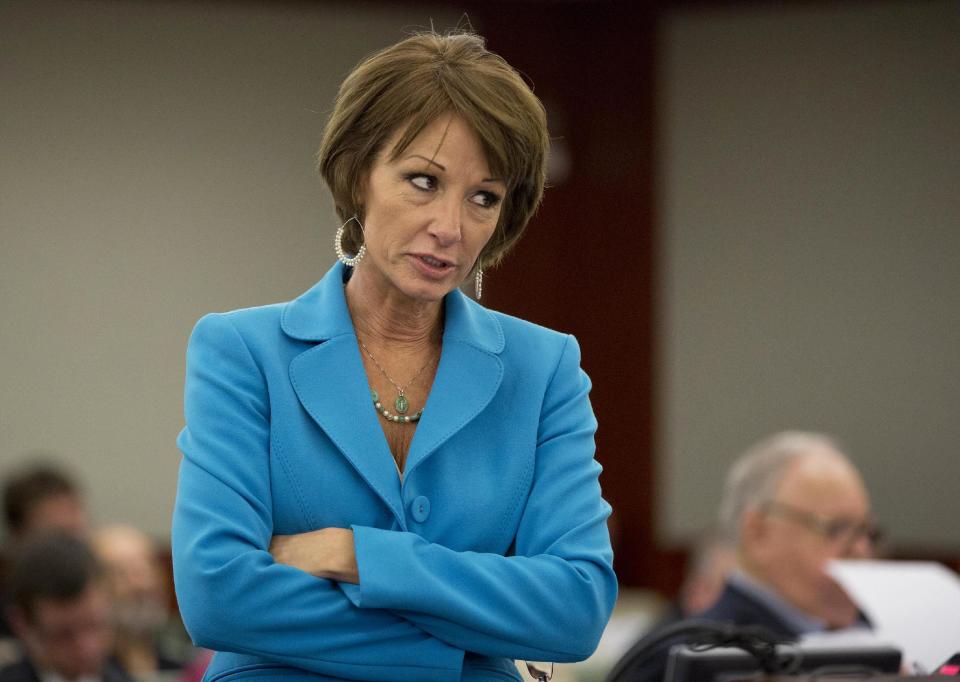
{"x": 36, "y": 497}
{"x": 382, "y": 479}
{"x": 712, "y": 559}
{"x": 60, "y": 612}
{"x": 139, "y": 602}
{"x": 197, "y": 668}
{"x": 40, "y": 496}
{"x": 791, "y": 504}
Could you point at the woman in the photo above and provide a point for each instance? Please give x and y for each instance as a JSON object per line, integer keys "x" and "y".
{"x": 382, "y": 480}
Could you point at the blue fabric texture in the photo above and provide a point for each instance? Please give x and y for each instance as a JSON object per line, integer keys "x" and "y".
{"x": 492, "y": 547}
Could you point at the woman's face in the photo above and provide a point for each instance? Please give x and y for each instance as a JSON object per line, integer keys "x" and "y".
{"x": 428, "y": 214}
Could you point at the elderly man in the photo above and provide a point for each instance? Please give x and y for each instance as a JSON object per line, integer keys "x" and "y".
{"x": 791, "y": 503}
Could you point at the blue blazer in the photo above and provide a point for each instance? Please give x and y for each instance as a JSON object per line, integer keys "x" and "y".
{"x": 492, "y": 547}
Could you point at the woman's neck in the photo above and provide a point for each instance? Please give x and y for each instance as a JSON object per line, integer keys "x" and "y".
{"x": 382, "y": 315}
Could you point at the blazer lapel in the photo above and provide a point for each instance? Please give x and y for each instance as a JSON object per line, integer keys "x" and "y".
{"x": 330, "y": 382}
{"x": 468, "y": 376}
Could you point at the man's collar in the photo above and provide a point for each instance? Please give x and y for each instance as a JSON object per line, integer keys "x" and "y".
{"x": 796, "y": 619}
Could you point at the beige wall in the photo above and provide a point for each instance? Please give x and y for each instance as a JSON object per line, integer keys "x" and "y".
{"x": 156, "y": 163}
{"x": 811, "y": 234}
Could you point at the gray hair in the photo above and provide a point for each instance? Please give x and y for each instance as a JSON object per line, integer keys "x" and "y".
{"x": 755, "y": 476}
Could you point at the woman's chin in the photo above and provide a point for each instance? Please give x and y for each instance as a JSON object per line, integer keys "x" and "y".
{"x": 425, "y": 292}
{"x": 425, "y": 289}
{"x": 404, "y": 284}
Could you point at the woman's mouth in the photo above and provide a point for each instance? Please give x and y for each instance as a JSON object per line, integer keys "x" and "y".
{"x": 431, "y": 266}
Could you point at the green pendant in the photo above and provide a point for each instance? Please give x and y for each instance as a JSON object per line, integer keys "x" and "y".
{"x": 401, "y": 404}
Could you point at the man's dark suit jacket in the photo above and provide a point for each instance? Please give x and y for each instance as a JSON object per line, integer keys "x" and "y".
{"x": 734, "y": 606}
{"x": 23, "y": 671}
{"x": 739, "y": 607}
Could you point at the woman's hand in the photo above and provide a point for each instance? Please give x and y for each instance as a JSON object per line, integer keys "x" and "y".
{"x": 325, "y": 553}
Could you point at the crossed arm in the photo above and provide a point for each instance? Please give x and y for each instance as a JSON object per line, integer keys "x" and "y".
{"x": 325, "y": 553}
{"x": 356, "y": 602}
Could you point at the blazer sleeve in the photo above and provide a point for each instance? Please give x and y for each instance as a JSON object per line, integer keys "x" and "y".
{"x": 232, "y": 595}
{"x": 549, "y": 601}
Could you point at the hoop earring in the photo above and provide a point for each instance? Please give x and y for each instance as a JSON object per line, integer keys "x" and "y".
{"x": 478, "y": 282}
{"x": 338, "y": 245}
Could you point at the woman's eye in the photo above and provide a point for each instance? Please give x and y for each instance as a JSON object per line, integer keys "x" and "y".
{"x": 421, "y": 181}
{"x": 486, "y": 199}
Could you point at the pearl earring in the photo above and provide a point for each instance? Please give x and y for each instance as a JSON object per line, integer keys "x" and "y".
{"x": 338, "y": 245}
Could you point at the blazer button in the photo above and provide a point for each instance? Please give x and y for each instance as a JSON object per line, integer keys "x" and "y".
{"x": 420, "y": 508}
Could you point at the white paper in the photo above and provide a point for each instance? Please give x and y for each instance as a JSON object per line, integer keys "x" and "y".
{"x": 914, "y": 605}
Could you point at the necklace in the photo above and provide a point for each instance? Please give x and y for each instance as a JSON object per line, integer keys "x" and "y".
{"x": 401, "y": 404}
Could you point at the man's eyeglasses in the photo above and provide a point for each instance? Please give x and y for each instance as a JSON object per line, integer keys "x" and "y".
{"x": 835, "y": 530}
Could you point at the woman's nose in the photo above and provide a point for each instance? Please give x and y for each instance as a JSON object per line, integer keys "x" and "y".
{"x": 446, "y": 224}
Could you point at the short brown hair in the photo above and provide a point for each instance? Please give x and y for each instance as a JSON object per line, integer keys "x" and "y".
{"x": 54, "y": 565}
{"x": 27, "y": 488}
{"x": 410, "y": 84}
